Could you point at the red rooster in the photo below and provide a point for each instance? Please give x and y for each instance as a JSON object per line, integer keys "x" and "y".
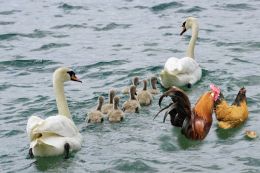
{"x": 195, "y": 123}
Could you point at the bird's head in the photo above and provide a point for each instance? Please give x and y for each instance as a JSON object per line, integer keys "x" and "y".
{"x": 241, "y": 96}
{"x": 242, "y": 91}
{"x": 135, "y": 81}
{"x": 133, "y": 92}
{"x": 215, "y": 92}
{"x": 100, "y": 100}
{"x": 187, "y": 24}
{"x": 64, "y": 74}
{"x": 116, "y": 102}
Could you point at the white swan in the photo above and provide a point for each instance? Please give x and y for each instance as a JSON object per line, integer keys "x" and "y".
{"x": 184, "y": 71}
{"x": 58, "y": 134}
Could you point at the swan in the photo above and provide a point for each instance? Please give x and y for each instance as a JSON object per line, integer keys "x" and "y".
{"x": 56, "y": 135}
{"x": 185, "y": 71}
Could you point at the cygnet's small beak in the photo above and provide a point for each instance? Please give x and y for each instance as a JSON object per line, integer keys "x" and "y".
{"x": 74, "y": 78}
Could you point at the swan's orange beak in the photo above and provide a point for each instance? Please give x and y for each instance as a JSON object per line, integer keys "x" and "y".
{"x": 74, "y": 78}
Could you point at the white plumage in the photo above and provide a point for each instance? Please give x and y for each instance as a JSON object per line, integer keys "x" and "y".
{"x": 56, "y": 134}
{"x": 184, "y": 71}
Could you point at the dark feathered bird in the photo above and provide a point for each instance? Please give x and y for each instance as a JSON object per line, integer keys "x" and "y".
{"x": 195, "y": 122}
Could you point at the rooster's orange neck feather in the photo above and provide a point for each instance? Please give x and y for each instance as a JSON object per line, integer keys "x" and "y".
{"x": 204, "y": 106}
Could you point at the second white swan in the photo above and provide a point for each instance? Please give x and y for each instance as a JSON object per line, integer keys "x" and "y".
{"x": 185, "y": 71}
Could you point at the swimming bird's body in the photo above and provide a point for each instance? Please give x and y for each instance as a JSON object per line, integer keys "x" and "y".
{"x": 109, "y": 106}
{"x": 154, "y": 90}
{"x": 185, "y": 71}
{"x": 96, "y": 116}
{"x": 135, "y": 81}
{"x": 230, "y": 116}
{"x": 132, "y": 105}
{"x": 56, "y": 135}
{"x": 116, "y": 114}
{"x": 144, "y": 96}
{"x": 195, "y": 122}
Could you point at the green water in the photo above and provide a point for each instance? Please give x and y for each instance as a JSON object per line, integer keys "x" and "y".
{"x": 107, "y": 43}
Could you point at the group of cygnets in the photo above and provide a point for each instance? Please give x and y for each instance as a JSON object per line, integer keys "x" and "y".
{"x": 112, "y": 111}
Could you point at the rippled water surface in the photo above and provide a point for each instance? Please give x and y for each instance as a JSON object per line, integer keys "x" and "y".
{"x": 107, "y": 43}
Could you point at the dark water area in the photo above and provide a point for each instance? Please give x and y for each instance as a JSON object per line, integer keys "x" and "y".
{"x": 107, "y": 43}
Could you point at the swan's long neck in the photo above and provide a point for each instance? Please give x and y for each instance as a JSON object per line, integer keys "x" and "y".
{"x": 61, "y": 101}
{"x": 194, "y": 36}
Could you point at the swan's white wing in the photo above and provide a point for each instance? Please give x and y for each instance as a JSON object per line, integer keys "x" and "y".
{"x": 51, "y": 145}
{"x": 180, "y": 72}
{"x": 32, "y": 123}
{"x": 179, "y": 66}
{"x": 58, "y": 125}
{"x": 171, "y": 65}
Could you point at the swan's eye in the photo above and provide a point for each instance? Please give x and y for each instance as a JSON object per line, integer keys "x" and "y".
{"x": 183, "y": 25}
{"x": 71, "y": 73}
{"x": 73, "y": 76}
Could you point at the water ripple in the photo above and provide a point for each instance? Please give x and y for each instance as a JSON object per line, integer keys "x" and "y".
{"x": 36, "y": 34}
{"x": 69, "y": 26}
{"x": 133, "y": 166}
{"x": 112, "y": 26}
{"x": 66, "y": 6}
{"x": 9, "y": 12}
{"x": 26, "y": 63}
{"x": 8, "y": 36}
{"x": 83, "y": 69}
{"x": 10, "y": 133}
{"x": 6, "y": 23}
{"x": 240, "y": 6}
{"x": 165, "y": 6}
{"x": 141, "y": 7}
{"x": 191, "y": 10}
{"x": 250, "y": 161}
{"x": 51, "y": 46}
{"x": 235, "y": 7}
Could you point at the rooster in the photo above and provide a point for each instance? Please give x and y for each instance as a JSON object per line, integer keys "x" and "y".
{"x": 234, "y": 115}
{"x": 195, "y": 123}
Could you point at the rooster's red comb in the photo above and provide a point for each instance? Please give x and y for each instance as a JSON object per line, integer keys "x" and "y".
{"x": 215, "y": 90}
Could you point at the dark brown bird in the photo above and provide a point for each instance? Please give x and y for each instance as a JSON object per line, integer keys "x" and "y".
{"x": 195, "y": 122}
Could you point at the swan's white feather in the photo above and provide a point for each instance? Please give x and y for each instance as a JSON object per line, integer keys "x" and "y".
{"x": 49, "y": 136}
{"x": 52, "y": 145}
{"x": 180, "y": 72}
{"x": 59, "y": 125}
